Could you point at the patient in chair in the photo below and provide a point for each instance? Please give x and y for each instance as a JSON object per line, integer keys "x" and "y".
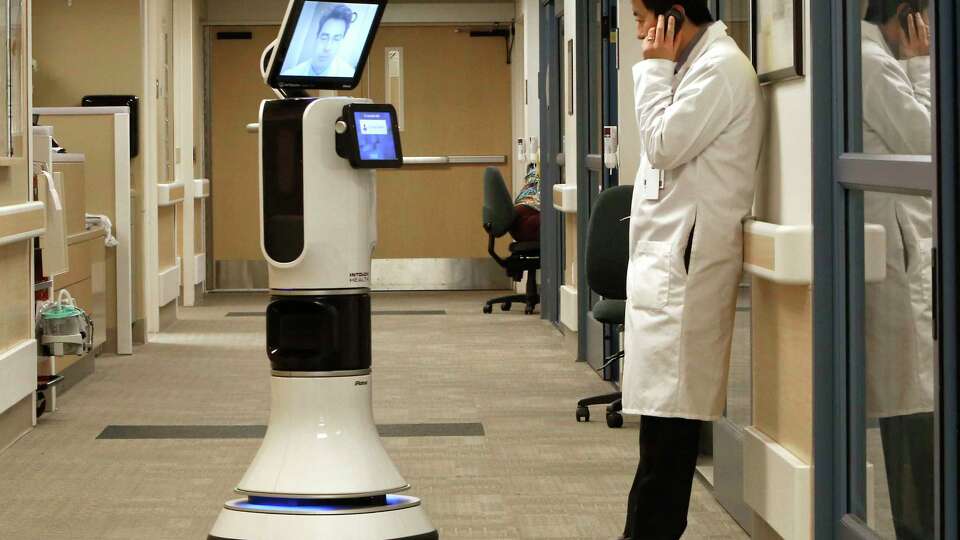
{"x": 526, "y": 228}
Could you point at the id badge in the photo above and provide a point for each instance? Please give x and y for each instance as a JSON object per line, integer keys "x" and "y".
{"x": 652, "y": 180}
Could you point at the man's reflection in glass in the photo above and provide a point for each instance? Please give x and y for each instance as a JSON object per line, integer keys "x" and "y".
{"x": 899, "y": 331}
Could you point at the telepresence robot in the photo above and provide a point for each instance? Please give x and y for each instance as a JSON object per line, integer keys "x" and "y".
{"x": 321, "y": 472}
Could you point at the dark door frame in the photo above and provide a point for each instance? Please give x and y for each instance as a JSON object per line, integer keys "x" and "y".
{"x": 551, "y": 227}
{"x": 839, "y": 177}
{"x": 590, "y": 162}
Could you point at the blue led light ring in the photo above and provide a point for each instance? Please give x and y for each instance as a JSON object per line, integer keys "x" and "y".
{"x": 313, "y": 507}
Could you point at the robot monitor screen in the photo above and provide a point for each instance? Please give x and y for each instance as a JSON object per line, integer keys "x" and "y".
{"x": 324, "y": 44}
{"x": 372, "y": 137}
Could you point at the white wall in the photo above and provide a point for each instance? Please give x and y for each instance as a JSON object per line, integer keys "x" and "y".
{"x": 271, "y": 11}
{"x": 517, "y": 60}
{"x": 525, "y": 72}
{"x": 786, "y": 191}
{"x": 631, "y": 52}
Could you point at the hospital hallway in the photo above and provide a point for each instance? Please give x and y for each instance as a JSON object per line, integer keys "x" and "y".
{"x": 151, "y": 445}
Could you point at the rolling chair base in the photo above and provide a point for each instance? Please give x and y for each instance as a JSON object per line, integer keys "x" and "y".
{"x": 506, "y": 302}
{"x": 614, "y": 404}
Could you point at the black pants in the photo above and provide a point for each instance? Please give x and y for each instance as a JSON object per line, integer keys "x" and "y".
{"x": 908, "y": 455}
{"x": 660, "y": 496}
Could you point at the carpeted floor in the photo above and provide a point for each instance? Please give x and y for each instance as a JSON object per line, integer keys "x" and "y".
{"x": 533, "y": 474}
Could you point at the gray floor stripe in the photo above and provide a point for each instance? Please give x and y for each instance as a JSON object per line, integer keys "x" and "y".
{"x": 378, "y": 313}
{"x": 118, "y": 432}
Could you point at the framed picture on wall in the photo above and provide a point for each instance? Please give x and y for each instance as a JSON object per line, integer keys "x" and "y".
{"x": 778, "y": 45}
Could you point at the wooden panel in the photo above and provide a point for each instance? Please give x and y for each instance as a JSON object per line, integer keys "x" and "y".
{"x": 22, "y": 222}
{"x": 782, "y": 365}
{"x": 74, "y": 195}
{"x": 180, "y": 227}
{"x": 236, "y": 94}
{"x": 92, "y": 136}
{"x": 167, "y": 230}
{"x": 98, "y": 282}
{"x": 15, "y": 282}
{"x": 111, "y": 280}
{"x": 15, "y": 422}
{"x": 457, "y": 102}
{"x": 198, "y": 226}
{"x": 570, "y": 243}
{"x": 759, "y": 251}
{"x": 79, "y": 257}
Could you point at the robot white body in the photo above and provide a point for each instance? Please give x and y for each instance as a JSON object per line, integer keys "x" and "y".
{"x": 321, "y": 472}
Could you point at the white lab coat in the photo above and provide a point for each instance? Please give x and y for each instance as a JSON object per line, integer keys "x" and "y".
{"x": 899, "y": 315}
{"x": 703, "y": 127}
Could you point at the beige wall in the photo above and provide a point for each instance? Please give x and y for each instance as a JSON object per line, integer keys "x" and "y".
{"x": 16, "y": 278}
{"x": 93, "y": 47}
{"x": 74, "y": 60}
{"x": 199, "y": 106}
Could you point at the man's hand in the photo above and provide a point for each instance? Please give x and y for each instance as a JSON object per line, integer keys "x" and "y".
{"x": 661, "y": 42}
{"x": 915, "y": 40}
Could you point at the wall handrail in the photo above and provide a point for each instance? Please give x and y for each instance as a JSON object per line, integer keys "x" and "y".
{"x": 22, "y": 221}
{"x": 455, "y": 160}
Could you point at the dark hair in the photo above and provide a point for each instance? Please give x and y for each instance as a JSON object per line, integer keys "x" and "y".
{"x": 697, "y": 11}
{"x": 337, "y": 12}
{"x": 881, "y": 11}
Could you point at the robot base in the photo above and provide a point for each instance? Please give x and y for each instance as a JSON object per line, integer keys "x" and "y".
{"x": 402, "y": 519}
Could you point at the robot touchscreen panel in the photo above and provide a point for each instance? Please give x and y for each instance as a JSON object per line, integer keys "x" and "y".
{"x": 324, "y": 44}
{"x": 375, "y": 138}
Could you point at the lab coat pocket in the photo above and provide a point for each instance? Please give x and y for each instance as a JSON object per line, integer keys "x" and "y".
{"x": 648, "y": 277}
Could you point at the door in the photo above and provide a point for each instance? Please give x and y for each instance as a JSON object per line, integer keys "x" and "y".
{"x": 452, "y": 88}
{"x": 885, "y": 185}
{"x": 235, "y": 92}
{"x": 596, "y": 107}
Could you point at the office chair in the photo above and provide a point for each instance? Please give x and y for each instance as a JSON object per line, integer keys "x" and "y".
{"x": 498, "y": 216}
{"x": 608, "y": 241}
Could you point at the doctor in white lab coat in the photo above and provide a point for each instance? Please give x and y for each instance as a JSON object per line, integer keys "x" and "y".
{"x": 701, "y": 119}
{"x": 897, "y": 119}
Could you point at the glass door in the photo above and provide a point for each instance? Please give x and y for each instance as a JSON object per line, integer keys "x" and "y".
{"x": 882, "y": 469}
{"x": 596, "y": 107}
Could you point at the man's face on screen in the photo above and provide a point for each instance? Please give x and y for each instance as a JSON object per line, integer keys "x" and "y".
{"x": 328, "y": 43}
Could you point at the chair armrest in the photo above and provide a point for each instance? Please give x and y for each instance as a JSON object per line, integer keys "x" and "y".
{"x": 491, "y": 246}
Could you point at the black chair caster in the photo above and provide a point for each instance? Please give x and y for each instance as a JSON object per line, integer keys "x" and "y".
{"x": 41, "y": 403}
{"x": 614, "y": 420}
{"x": 583, "y": 414}
{"x": 528, "y": 310}
{"x": 506, "y": 306}
{"x": 488, "y": 309}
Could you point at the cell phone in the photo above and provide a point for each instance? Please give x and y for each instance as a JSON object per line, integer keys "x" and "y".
{"x": 678, "y": 20}
{"x": 904, "y": 16}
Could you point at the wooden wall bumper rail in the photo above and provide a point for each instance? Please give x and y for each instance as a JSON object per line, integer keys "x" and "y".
{"x": 22, "y": 221}
{"x": 784, "y": 253}
{"x": 171, "y": 194}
